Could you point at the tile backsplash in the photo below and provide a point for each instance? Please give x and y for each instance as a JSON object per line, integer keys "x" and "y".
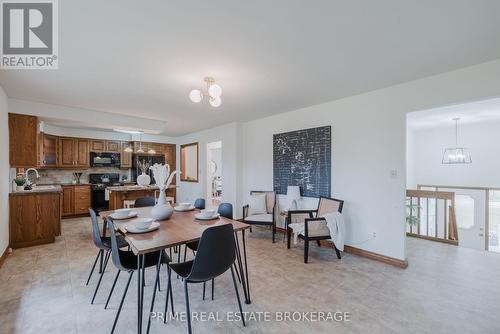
{"x": 51, "y": 176}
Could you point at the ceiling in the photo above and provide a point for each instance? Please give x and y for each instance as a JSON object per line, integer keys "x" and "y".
{"x": 473, "y": 112}
{"x": 141, "y": 58}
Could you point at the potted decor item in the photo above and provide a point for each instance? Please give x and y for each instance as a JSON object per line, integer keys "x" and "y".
{"x": 20, "y": 182}
{"x": 144, "y": 179}
{"x": 162, "y": 210}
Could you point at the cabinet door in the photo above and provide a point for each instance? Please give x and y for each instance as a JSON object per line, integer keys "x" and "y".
{"x": 82, "y": 200}
{"x": 23, "y": 136}
{"x": 126, "y": 157}
{"x": 67, "y": 152}
{"x": 68, "y": 201}
{"x": 49, "y": 151}
{"x": 113, "y": 146}
{"x": 82, "y": 154}
{"x": 97, "y": 145}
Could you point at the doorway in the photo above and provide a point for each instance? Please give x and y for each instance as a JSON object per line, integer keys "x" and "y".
{"x": 214, "y": 184}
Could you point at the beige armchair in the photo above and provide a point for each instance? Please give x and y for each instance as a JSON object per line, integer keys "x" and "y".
{"x": 266, "y": 216}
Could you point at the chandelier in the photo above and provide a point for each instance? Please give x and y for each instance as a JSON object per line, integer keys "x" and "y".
{"x": 214, "y": 93}
{"x": 456, "y": 155}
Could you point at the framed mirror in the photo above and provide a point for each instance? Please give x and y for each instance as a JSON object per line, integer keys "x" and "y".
{"x": 189, "y": 162}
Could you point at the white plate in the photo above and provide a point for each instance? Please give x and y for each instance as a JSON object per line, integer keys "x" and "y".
{"x": 133, "y": 229}
{"x": 200, "y": 217}
{"x": 179, "y": 209}
{"x": 132, "y": 214}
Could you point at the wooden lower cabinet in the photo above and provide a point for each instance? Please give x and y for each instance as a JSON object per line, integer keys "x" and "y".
{"x": 34, "y": 219}
{"x": 76, "y": 200}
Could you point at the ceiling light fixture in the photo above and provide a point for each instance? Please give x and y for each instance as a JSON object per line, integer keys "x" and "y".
{"x": 131, "y": 132}
{"x": 456, "y": 155}
{"x": 214, "y": 93}
{"x": 140, "y": 150}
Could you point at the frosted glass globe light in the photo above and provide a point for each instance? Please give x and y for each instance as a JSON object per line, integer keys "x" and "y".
{"x": 215, "y": 91}
{"x": 215, "y": 102}
{"x": 195, "y": 95}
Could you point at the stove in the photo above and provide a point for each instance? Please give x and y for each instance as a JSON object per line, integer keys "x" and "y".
{"x": 99, "y": 183}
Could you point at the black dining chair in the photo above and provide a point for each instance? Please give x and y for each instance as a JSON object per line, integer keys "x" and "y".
{"x": 226, "y": 211}
{"x": 127, "y": 261}
{"x": 199, "y": 204}
{"x": 144, "y": 202}
{"x": 216, "y": 254}
{"x": 104, "y": 246}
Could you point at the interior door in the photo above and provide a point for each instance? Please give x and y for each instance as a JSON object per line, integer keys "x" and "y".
{"x": 470, "y": 209}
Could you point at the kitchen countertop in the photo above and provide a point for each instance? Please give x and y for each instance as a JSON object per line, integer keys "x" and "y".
{"x": 40, "y": 190}
{"x": 136, "y": 188}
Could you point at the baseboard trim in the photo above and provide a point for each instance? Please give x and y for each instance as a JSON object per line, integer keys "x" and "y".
{"x": 364, "y": 253}
{"x": 377, "y": 257}
{"x": 4, "y": 256}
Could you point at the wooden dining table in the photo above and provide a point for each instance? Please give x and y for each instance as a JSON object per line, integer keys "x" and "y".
{"x": 179, "y": 229}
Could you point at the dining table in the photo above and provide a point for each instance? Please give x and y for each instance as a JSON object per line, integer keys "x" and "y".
{"x": 181, "y": 228}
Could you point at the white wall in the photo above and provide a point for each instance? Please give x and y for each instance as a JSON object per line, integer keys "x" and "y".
{"x": 427, "y": 146}
{"x": 368, "y": 142}
{"x": 230, "y": 137}
{"x": 4, "y": 173}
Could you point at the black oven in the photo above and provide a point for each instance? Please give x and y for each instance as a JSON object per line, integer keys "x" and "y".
{"x": 104, "y": 159}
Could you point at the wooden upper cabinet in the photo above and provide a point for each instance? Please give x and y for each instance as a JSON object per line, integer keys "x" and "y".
{"x": 74, "y": 153}
{"x": 48, "y": 151}
{"x": 113, "y": 146}
{"x": 23, "y": 141}
{"x": 97, "y": 145}
{"x": 126, "y": 157}
{"x": 67, "y": 152}
{"x": 82, "y": 153}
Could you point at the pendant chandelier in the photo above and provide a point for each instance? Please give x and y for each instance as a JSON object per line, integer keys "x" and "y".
{"x": 214, "y": 93}
{"x": 456, "y": 155}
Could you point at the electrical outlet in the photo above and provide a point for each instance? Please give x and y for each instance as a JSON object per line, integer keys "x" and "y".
{"x": 374, "y": 234}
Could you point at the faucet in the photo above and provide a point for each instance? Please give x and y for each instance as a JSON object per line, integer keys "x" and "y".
{"x": 27, "y": 176}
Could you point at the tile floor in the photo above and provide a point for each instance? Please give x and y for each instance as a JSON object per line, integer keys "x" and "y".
{"x": 445, "y": 289}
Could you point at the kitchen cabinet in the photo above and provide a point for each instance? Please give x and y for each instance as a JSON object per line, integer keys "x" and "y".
{"x": 126, "y": 157}
{"x": 68, "y": 195}
{"x": 74, "y": 153}
{"x": 23, "y": 140}
{"x": 113, "y": 146}
{"x": 34, "y": 218}
{"x": 48, "y": 151}
{"x": 97, "y": 145}
{"x": 76, "y": 200}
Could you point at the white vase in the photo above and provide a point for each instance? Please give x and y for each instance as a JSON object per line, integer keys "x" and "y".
{"x": 143, "y": 180}
{"x": 162, "y": 211}
{"x": 162, "y": 198}
{"x": 19, "y": 188}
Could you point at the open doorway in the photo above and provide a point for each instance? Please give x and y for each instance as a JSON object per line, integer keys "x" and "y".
{"x": 214, "y": 184}
{"x": 453, "y": 182}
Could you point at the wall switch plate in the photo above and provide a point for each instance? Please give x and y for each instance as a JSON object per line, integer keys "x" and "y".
{"x": 394, "y": 173}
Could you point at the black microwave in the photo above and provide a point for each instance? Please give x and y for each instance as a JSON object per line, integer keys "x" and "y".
{"x": 104, "y": 159}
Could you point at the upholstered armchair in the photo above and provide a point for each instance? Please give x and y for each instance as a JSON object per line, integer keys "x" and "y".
{"x": 260, "y": 210}
{"x": 320, "y": 231}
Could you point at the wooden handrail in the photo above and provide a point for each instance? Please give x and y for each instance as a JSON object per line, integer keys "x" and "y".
{"x": 430, "y": 194}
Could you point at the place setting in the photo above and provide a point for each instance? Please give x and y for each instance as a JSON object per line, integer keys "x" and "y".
{"x": 183, "y": 207}
{"x": 141, "y": 225}
{"x": 207, "y": 214}
{"x": 123, "y": 214}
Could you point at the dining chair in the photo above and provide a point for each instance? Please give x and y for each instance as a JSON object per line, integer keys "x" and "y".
{"x": 261, "y": 210}
{"x": 216, "y": 254}
{"x": 321, "y": 231}
{"x": 225, "y": 210}
{"x": 104, "y": 246}
{"x": 199, "y": 204}
{"x": 145, "y": 201}
{"x": 127, "y": 261}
